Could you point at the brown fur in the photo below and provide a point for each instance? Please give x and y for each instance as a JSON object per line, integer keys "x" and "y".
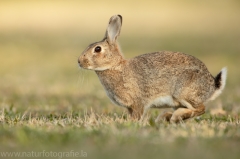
{"x": 160, "y": 79}
{"x": 183, "y": 113}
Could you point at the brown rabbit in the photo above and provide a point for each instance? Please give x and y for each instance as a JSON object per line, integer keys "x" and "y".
{"x": 155, "y": 80}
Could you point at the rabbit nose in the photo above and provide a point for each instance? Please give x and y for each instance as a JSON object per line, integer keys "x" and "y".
{"x": 78, "y": 61}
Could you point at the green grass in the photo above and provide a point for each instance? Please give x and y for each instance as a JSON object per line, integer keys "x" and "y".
{"x": 48, "y": 104}
{"x": 115, "y": 136}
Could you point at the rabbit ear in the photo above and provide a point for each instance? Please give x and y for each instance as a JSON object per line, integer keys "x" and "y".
{"x": 114, "y": 28}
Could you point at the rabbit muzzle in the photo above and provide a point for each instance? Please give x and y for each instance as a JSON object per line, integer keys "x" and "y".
{"x": 83, "y": 62}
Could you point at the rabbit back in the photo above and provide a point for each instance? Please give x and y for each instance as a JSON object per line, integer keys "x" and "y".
{"x": 170, "y": 74}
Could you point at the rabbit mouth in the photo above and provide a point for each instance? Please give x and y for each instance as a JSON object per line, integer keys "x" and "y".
{"x": 83, "y": 67}
{"x": 83, "y": 64}
{"x": 93, "y": 68}
{"x": 80, "y": 64}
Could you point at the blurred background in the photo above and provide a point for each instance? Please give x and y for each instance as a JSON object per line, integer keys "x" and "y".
{"x": 40, "y": 42}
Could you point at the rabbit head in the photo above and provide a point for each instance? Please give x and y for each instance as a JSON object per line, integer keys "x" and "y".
{"x": 104, "y": 54}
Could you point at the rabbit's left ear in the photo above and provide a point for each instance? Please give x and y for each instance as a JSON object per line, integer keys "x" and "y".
{"x": 114, "y": 28}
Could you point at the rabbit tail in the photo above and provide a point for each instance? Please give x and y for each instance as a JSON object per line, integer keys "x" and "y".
{"x": 220, "y": 82}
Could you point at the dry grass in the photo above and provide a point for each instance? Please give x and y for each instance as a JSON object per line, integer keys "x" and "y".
{"x": 112, "y": 135}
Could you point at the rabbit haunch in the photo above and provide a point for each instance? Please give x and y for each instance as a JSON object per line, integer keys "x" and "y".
{"x": 154, "y": 80}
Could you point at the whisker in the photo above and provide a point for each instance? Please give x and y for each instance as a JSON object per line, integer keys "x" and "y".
{"x": 80, "y": 78}
{"x": 87, "y": 77}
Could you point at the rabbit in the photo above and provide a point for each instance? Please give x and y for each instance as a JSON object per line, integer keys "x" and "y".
{"x": 162, "y": 79}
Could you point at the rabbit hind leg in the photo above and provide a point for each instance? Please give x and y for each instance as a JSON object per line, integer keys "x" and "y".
{"x": 184, "y": 113}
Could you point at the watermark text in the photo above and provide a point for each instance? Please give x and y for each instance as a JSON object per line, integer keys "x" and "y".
{"x": 44, "y": 154}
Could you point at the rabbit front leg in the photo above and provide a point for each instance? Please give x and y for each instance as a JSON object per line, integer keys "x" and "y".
{"x": 135, "y": 113}
{"x": 165, "y": 116}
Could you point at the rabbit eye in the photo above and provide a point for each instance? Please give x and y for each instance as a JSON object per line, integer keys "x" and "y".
{"x": 98, "y": 49}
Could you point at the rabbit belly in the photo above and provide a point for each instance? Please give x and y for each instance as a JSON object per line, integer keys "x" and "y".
{"x": 163, "y": 102}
